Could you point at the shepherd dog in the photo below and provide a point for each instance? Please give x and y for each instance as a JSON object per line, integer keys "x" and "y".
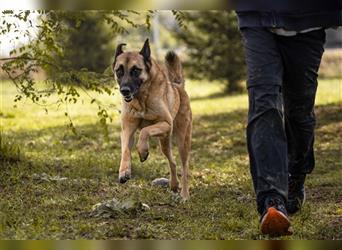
{"x": 154, "y": 102}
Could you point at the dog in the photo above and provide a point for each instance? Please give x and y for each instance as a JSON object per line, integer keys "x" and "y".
{"x": 155, "y": 102}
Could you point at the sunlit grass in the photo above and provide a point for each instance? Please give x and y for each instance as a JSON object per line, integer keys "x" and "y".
{"x": 207, "y": 98}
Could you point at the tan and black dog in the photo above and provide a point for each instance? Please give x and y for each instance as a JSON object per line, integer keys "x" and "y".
{"x": 153, "y": 100}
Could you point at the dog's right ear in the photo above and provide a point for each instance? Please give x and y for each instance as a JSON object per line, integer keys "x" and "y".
{"x": 118, "y": 51}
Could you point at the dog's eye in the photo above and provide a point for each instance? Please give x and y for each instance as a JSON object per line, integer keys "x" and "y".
{"x": 135, "y": 71}
{"x": 119, "y": 72}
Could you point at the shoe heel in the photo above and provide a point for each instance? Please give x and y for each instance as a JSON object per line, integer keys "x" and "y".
{"x": 275, "y": 223}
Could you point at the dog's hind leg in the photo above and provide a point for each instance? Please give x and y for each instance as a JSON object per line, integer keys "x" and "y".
{"x": 166, "y": 148}
{"x": 183, "y": 138}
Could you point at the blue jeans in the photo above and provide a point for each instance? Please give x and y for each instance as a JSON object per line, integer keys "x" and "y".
{"x": 282, "y": 83}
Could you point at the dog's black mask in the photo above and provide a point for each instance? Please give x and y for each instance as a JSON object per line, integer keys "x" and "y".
{"x": 129, "y": 81}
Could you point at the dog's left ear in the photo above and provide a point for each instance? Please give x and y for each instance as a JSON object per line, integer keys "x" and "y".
{"x": 146, "y": 53}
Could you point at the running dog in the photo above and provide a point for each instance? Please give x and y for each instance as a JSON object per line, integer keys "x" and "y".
{"x": 155, "y": 102}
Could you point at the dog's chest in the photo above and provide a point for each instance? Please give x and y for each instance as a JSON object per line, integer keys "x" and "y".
{"x": 139, "y": 111}
{"x": 145, "y": 115}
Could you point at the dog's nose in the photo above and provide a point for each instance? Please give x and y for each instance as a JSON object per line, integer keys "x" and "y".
{"x": 125, "y": 91}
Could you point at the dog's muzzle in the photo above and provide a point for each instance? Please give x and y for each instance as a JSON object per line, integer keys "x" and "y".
{"x": 126, "y": 93}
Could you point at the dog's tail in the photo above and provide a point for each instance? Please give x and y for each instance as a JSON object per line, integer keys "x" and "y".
{"x": 174, "y": 68}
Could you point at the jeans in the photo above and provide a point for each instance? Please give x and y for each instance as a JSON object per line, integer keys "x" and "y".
{"x": 282, "y": 84}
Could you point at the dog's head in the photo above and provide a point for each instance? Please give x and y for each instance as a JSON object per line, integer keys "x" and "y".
{"x": 132, "y": 69}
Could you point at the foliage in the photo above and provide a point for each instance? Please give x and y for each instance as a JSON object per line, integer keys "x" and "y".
{"x": 214, "y": 47}
{"x": 58, "y": 49}
{"x": 87, "y": 44}
{"x": 49, "y": 53}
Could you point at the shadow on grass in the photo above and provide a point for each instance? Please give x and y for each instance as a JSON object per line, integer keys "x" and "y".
{"x": 219, "y": 136}
{"x": 327, "y": 114}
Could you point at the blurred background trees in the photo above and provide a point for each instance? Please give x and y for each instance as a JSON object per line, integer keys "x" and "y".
{"x": 214, "y": 47}
{"x": 72, "y": 50}
{"x": 76, "y": 42}
{"x": 87, "y": 43}
{"x": 77, "y": 48}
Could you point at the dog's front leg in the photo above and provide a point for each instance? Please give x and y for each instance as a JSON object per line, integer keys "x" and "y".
{"x": 158, "y": 129}
{"x": 129, "y": 127}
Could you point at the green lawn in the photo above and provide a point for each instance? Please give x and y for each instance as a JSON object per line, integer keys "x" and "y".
{"x": 222, "y": 204}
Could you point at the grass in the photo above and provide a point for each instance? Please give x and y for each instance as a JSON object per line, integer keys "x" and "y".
{"x": 222, "y": 204}
{"x": 10, "y": 152}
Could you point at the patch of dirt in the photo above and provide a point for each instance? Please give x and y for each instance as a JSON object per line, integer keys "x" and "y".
{"x": 322, "y": 194}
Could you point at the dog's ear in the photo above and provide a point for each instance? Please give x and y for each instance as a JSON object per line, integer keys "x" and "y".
{"x": 118, "y": 51}
{"x": 146, "y": 53}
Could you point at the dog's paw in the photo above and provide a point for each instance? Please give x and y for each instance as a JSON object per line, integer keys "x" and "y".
{"x": 184, "y": 200}
{"x": 185, "y": 195}
{"x": 143, "y": 155}
{"x": 174, "y": 187}
{"x": 124, "y": 177}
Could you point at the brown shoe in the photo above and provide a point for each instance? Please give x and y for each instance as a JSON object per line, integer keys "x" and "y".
{"x": 275, "y": 222}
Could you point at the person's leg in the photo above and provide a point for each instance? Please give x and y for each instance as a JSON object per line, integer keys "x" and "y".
{"x": 301, "y": 56}
{"x": 266, "y": 137}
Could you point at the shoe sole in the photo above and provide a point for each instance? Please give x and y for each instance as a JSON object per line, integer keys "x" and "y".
{"x": 275, "y": 223}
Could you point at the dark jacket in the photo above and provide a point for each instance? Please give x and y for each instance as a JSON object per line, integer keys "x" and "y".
{"x": 289, "y": 14}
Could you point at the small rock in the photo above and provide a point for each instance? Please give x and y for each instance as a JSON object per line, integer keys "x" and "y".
{"x": 162, "y": 182}
{"x": 114, "y": 208}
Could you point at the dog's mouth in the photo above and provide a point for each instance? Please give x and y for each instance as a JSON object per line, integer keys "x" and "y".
{"x": 128, "y": 98}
